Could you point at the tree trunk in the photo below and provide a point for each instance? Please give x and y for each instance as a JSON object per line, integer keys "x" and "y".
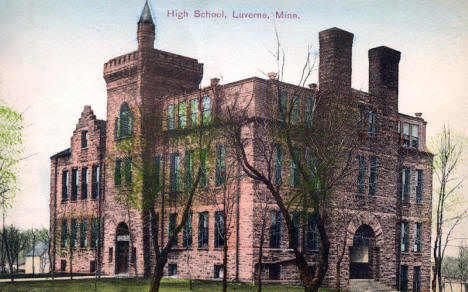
{"x": 260, "y": 256}
{"x": 338, "y": 275}
{"x": 225, "y": 249}
{"x": 158, "y": 273}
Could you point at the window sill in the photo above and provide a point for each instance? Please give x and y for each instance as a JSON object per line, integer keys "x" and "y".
{"x": 203, "y": 248}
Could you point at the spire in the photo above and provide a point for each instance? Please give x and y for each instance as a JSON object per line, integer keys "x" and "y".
{"x": 146, "y": 16}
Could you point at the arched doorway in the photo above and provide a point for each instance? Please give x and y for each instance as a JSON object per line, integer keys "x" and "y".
{"x": 361, "y": 255}
{"x": 122, "y": 239}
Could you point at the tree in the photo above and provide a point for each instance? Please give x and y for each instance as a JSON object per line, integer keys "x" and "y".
{"x": 11, "y": 140}
{"x": 141, "y": 159}
{"x": 448, "y": 150}
{"x": 449, "y": 270}
{"x": 462, "y": 265}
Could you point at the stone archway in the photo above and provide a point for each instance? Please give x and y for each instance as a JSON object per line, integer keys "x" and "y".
{"x": 122, "y": 240}
{"x": 361, "y": 253}
{"x": 364, "y": 244}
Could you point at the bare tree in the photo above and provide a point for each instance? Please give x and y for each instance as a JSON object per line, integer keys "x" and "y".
{"x": 317, "y": 133}
{"x": 448, "y": 150}
{"x": 462, "y": 265}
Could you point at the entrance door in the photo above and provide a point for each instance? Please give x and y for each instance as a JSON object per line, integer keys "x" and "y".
{"x": 121, "y": 248}
{"x": 361, "y": 256}
{"x": 121, "y": 257}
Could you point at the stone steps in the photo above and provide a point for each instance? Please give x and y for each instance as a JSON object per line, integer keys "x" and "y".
{"x": 368, "y": 285}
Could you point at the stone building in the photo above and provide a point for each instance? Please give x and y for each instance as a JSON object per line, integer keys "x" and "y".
{"x": 390, "y": 201}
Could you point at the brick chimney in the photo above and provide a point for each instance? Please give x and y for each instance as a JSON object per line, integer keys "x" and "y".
{"x": 214, "y": 82}
{"x": 335, "y": 59}
{"x": 272, "y": 75}
{"x": 383, "y": 77}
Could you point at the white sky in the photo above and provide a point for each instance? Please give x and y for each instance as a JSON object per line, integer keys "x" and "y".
{"x": 52, "y": 54}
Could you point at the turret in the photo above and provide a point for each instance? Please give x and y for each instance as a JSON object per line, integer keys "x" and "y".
{"x": 146, "y": 29}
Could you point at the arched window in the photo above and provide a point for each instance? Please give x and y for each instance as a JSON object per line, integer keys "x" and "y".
{"x": 124, "y": 122}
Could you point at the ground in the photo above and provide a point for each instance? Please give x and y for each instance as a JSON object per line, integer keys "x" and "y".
{"x": 137, "y": 285}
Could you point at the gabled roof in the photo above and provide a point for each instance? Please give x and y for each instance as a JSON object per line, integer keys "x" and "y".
{"x": 66, "y": 152}
{"x": 40, "y": 248}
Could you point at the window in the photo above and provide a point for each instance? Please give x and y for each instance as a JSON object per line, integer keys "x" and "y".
{"x": 203, "y": 179}
{"x": 188, "y": 165}
{"x": 124, "y": 122}
{"x": 128, "y": 170}
{"x": 294, "y": 174}
{"x": 84, "y": 183}
{"x": 92, "y": 266}
{"x": 218, "y": 271}
{"x": 170, "y": 117}
{"x": 373, "y": 175}
{"x": 75, "y": 179}
{"x": 203, "y": 229}
{"x": 278, "y": 164}
{"x": 111, "y": 254}
{"x": 275, "y": 229}
{"x": 415, "y": 136}
{"x": 154, "y": 229}
{"x": 94, "y": 232}
{"x": 182, "y": 111}
{"x": 404, "y": 236}
{"x": 417, "y": 237}
{"x": 73, "y": 234}
{"x": 295, "y": 109}
{"x": 64, "y": 234}
{"x": 84, "y": 233}
{"x": 65, "y": 185}
{"x": 312, "y": 233}
{"x": 206, "y": 109}
{"x": 311, "y": 163}
{"x": 419, "y": 185}
{"x": 274, "y": 271}
{"x": 219, "y": 229}
{"x": 172, "y": 269}
{"x": 405, "y": 135}
{"x": 174, "y": 172}
{"x": 372, "y": 123}
{"x": 187, "y": 240}
{"x": 361, "y": 174}
{"x": 417, "y": 279}
{"x": 403, "y": 279}
{"x": 296, "y": 218}
{"x": 118, "y": 172}
{"x": 220, "y": 165}
{"x": 157, "y": 172}
{"x": 95, "y": 187}
{"x": 84, "y": 139}
{"x": 133, "y": 258}
{"x": 309, "y": 111}
{"x": 63, "y": 265}
{"x": 405, "y": 184}
{"x": 194, "y": 112}
{"x": 282, "y": 106}
{"x": 172, "y": 227}
{"x": 360, "y": 124}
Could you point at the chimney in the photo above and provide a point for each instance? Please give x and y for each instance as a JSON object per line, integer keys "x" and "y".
{"x": 272, "y": 75}
{"x": 335, "y": 59}
{"x": 214, "y": 82}
{"x": 418, "y": 115}
{"x": 383, "y": 76}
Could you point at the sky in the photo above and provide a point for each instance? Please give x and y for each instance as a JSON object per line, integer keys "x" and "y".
{"x": 52, "y": 54}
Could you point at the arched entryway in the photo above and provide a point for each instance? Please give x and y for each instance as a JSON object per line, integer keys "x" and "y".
{"x": 122, "y": 239}
{"x": 362, "y": 254}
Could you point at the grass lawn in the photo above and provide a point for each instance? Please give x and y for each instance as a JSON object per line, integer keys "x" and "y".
{"x": 137, "y": 285}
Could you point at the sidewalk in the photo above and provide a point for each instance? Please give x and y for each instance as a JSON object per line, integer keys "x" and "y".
{"x": 55, "y": 278}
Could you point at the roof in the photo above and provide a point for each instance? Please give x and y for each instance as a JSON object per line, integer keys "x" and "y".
{"x": 146, "y": 16}
{"x": 40, "y": 248}
{"x": 63, "y": 153}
